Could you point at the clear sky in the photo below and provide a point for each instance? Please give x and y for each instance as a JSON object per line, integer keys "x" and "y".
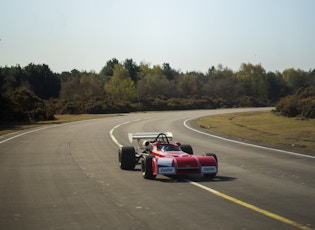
{"x": 190, "y": 35}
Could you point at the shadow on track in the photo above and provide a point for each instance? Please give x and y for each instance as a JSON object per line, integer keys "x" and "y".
{"x": 195, "y": 178}
{"x": 184, "y": 178}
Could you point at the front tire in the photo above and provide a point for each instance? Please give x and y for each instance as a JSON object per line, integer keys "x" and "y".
{"x": 212, "y": 155}
{"x": 146, "y": 168}
{"x": 127, "y": 158}
{"x": 187, "y": 149}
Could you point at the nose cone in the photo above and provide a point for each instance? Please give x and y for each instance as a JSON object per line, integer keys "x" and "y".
{"x": 187, "y": 162}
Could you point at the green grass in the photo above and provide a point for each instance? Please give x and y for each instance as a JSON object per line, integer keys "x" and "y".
{"x": 15, "y": 126}
{"x": 264, "y": 127}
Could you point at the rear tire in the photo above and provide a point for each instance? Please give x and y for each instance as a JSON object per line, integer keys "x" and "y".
{"x": 127, "y": 158}
{"x": 187, "y": 149}
{"x": 146, "y": 168}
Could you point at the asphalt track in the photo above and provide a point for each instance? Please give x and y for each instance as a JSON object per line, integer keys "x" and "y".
{"x": 67, "y": 177}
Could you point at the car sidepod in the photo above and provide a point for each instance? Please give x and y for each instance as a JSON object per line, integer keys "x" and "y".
{"x": 209, "y": 165}
{"x": 166, "y": 166}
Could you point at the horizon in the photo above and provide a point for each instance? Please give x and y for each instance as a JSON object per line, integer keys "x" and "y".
{"x": 188, "y": 35}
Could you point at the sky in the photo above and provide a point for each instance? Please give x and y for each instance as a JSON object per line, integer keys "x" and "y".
{"x": 190, "y": 35}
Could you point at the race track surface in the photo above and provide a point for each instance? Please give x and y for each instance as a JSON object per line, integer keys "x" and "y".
{"x": 67, "y": 177}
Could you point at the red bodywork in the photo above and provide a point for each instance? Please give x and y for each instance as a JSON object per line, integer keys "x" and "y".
{"x": 175, "y": 162}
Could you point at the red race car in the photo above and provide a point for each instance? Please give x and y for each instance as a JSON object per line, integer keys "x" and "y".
{"x": 158, "y": 156}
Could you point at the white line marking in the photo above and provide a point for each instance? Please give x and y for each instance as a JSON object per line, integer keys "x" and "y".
{"x": 243, "y": 143}
{"x": 22, "y": 134}
{"x": 111, "y": 132}
{"x": 42, "y": 128}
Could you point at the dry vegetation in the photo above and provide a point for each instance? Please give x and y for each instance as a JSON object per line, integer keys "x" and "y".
{"x": 265, "y": 127}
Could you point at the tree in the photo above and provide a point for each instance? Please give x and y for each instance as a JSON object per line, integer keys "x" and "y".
{"x": 132, "y": 68}
{"x": 221, "y": 83}
{"x": 120, "y": 87}
{"x": 43, "y": 81}
{"x": 11, "y": 78}
{"x": 90, "y": 86}
{"x": 153, "y": 83}
{"x": 254, "y": 79}
{"x": 81, "y": 86}
{"x": 70, "y": 89}
{"x": 169, "y": 72}
{"x": 312, "y": 77}
{"x": 277, "y": 86}
{"x": 108, "y": 70}
{"x": 190, "y": 84}
{"x": 295, "y": 79}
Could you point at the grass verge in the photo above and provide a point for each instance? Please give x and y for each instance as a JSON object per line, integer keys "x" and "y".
{"x": 16, "y": 126}
{"x": 264, "y": 127}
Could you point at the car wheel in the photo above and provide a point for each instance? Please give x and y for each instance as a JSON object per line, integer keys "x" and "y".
{"x": 146, "y": 168}
{"x": 127, "y": 158}
{"x": 212, "y": 155}
{"x": 187, "y": 149}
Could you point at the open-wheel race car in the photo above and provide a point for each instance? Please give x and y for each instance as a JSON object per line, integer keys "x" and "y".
{"x": 157, "y": 155}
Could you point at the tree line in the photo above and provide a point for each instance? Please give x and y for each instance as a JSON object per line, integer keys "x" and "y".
{"x": 35, "y": 93}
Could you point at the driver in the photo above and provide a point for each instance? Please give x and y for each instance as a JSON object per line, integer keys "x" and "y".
{"x": 170, "y": 148}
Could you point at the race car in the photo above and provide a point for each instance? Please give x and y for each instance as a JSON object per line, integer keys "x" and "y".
{"x": 157, "y": 155}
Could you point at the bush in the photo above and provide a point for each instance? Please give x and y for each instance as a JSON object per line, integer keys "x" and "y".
{"x": 287, "y": 107}
{"x": 302, "y": 103}
{"x": 308, "y": 107}
{"x": 10, "y": 112}
{"x": 22, "y": 105}
{"x": 248, "y": 101}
